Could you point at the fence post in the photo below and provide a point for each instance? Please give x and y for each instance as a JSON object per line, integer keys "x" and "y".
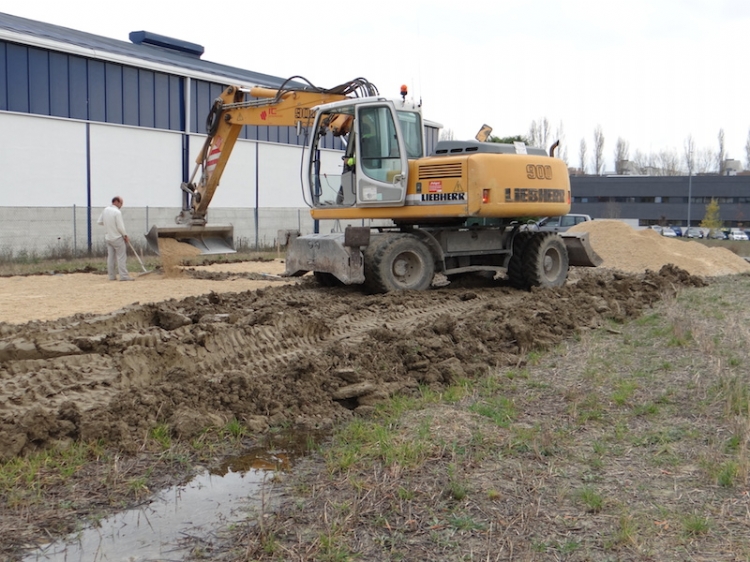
{"x": 75, "y": 245}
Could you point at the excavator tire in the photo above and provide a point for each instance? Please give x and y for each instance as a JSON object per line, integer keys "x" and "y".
{"x": 326, "y": 279}
{"x": 515, "y": 265}
{"x": 545, "y": 260}
{"x": 398, "y": 262}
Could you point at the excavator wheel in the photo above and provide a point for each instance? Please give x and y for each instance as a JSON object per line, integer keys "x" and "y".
{"x": 398, "y": 262}
{"x": 515, "y": 265}
{"x": 545, "y": 261}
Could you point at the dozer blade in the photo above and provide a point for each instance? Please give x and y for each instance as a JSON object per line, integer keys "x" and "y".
{"x": 580, "y": 252}
{"x": 209, "y": 239}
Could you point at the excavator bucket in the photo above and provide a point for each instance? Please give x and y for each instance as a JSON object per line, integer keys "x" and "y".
{"x": 580, "y": 252}
{"x": 209, "y": 239}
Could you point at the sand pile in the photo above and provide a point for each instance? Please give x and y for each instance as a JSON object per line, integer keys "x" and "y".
{"x": 172, "y": 252}
{"x": 627, "y": 249}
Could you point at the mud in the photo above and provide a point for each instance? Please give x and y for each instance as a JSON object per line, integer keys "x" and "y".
{"x": 298, "y": 355}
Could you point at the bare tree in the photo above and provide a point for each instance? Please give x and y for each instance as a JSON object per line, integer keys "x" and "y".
{"x": 539, "y": 133}
{"x": 544, "y": 129}
{"x": 533, "y": 134}
{"x": 582, "y": 156}
{"x": 446, "y": 134}
{"x": 640, "y": 163}
{"x": 598, "y": 150}
{"x": 622, "y": 155}
{"x": 689, "y": 154}
{"x": 705, "y": 158}
{"x": 721, "y": 157}
{"x": 563, "y": 149}
{"x": 668, "y": 163}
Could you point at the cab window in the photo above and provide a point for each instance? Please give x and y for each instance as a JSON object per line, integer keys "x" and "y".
{"x": 411, "y": 128}
{"x": 379, "y": 150}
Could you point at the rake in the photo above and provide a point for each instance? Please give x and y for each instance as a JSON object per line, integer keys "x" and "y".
{"x": 140, "y": 261}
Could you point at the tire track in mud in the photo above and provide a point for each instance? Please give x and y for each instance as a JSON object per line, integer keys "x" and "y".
{"x": 100, "y": 356}
{"x": 275, "y": 349}
{"x": 278, "y": 355}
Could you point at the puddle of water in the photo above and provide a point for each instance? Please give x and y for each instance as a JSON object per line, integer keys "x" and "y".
{"x": 205, "y": 505}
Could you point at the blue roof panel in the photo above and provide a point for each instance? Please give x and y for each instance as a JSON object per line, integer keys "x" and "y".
{"x": 146, "y": 52}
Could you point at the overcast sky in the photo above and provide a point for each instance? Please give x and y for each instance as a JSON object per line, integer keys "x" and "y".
{"x": 649, "y": 71}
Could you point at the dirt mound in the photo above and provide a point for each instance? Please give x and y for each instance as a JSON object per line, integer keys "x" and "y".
{"x": 634, "y": 251}
{"x": 296, "y": 354}
{"x": 172, "y": 252}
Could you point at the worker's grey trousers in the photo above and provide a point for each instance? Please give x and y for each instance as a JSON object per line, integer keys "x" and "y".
{"x": 117, "y": 252}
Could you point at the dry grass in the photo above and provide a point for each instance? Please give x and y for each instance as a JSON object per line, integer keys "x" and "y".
{"x": 630, "y": 443}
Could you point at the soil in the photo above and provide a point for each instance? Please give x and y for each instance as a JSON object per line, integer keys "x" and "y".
{"x": 60, "y": 295}
{"x": 85, "y": 359}
{"x": 626, "y": 249}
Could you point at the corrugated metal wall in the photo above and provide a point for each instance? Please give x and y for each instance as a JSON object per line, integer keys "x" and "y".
{"x": 42, "y": 82}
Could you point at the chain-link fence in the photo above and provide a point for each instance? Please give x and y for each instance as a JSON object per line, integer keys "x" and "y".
{"x": 70, "y": 232}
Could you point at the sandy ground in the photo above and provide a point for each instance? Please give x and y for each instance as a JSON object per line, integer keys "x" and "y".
{"x": 48, "y": 297}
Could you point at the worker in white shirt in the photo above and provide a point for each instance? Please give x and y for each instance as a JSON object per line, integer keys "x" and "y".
{"x": 116, "y": 238}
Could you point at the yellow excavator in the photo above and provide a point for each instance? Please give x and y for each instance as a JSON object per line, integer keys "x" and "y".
{"x": 455, "y": 211}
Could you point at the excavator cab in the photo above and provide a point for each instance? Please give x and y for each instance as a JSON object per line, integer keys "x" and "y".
{"x": 375, "y": 163}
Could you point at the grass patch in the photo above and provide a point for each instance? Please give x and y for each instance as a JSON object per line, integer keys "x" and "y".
{"x": 694, "y": 524}
{"x": 591, "y": 500}
{"x": 499, "y": 409}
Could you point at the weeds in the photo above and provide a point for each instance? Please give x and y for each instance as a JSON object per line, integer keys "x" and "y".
{"x": 591, "y": 499}
{"x": 499, "y": 409}
{"x": 235, "y": 429}
{"x": 162, "y": 435}
{"x": 625, "y": 533}
{"x": 694, "y": 524}
{"x": 727, "y": 474}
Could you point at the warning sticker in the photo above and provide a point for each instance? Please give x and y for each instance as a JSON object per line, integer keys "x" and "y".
{"x": 436, "y": 186}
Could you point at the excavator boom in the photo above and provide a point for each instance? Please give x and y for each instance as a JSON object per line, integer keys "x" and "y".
{"x": 289, "y": 105}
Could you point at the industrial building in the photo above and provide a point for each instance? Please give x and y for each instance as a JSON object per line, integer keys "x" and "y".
{"x": 663, "y": 200}
{"x": 85, "y": 117}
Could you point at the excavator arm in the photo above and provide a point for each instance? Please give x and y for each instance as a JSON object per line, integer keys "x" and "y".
{"x": 237, "y": 107}
{"x": 290, "y": 105}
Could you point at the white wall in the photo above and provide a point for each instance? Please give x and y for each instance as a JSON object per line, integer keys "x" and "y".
{"x": 279, "y": 176}
{"x": 142, "y": 166}
{"x": 237, "y": 185}
{"x": 44, "y": 186}
{"x": 42, "y": 161}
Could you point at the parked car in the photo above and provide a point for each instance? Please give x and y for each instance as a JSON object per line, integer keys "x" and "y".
{"x": 716, "y": 234}
{"x": 668, "y": 231}
{"x": 559, "y": 224}
{"x": 693, "y": 232}
{"x": 738, "y": 235}
{"x": 677, "y": 230}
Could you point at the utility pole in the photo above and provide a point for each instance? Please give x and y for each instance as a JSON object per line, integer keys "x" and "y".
{"x": 690, "y": 186}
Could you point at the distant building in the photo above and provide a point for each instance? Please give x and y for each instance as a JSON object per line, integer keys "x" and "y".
{"x": 732, "y": 167}
{"x": 662, "y": 199}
